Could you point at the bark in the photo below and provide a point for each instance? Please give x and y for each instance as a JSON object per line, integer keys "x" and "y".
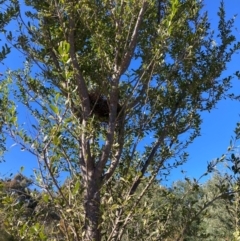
{"x": 92, "y": 210}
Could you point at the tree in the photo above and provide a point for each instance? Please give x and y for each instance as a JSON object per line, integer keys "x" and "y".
{"x": 200, "y": 213}
{"x": 5, "y": 17}
{"x": 101, "y": 80}
{"x": 218, "y": 223}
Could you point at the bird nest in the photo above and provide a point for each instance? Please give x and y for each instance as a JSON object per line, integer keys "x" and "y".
{"x": 100, "y": 106}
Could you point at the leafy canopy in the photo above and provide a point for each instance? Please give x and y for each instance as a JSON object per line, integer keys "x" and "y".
{"x": 115, "y": 91}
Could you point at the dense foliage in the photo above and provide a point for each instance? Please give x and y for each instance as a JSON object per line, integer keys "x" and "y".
{"x": 187, "y": 211}
{"x": 114, "y": 91}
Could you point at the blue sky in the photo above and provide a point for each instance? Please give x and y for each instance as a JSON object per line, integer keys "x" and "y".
{"x": 217, "y": 127}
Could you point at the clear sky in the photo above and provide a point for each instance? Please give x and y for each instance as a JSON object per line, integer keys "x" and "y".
{"x": 217, "y": 127}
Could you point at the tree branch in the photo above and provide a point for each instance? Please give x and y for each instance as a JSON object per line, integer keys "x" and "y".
{"x": 83, "y": 94}
{"x": 118, "y": 153}
{"x": 132, "y": 45}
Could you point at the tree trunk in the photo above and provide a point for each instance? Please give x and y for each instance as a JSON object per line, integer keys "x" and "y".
{"x": 92, "y": 210}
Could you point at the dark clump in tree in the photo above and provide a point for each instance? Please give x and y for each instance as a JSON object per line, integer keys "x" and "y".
{"x": 100, "y": 106}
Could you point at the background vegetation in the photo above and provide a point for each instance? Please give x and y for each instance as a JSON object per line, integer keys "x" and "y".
{"x": 114, "y": 91}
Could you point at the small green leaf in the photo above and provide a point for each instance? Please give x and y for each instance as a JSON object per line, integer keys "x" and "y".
{"x": 45, "y": 198}
{"x": 54, "y": 109}
{"x": 56, "y": 140}
{"x": 76, "y": 188}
